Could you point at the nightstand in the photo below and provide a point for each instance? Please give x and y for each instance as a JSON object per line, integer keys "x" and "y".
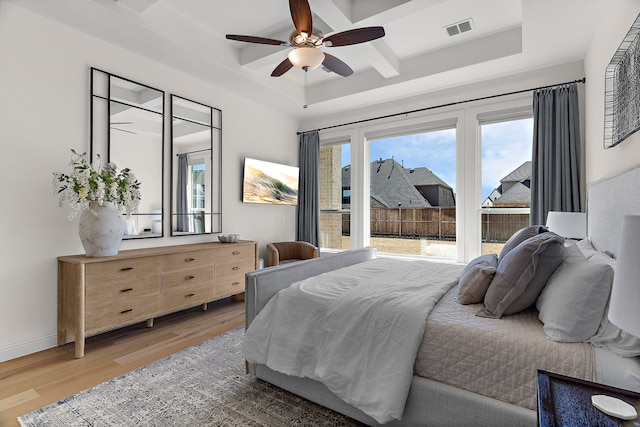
{"x": 565, "y": 401}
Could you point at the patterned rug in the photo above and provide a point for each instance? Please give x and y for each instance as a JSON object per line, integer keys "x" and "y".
{"x": 204, "y": 385}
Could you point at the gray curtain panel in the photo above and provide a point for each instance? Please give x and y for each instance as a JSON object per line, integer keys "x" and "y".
{"x": 555, "y": 172}
{"x": 182, "y": 207}
{"x": 308, "y": 223}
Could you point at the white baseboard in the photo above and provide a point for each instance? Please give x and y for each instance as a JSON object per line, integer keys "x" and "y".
{"x": 29, "y": 346}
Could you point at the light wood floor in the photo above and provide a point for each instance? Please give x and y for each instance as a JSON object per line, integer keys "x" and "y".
{"x": 36, "y": 380}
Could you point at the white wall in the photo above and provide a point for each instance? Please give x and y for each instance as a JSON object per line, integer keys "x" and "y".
{"x": 44, "y": 112}
{"x": 618, "y": 17}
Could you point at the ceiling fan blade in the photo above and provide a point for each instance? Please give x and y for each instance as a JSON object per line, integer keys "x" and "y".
{"x": 355, "y": 36}
{"x": 336, "y": 65}
{"x": 254, "y": 39}
{"x": 282, "y": 68}
{"x": 301, "y": 15}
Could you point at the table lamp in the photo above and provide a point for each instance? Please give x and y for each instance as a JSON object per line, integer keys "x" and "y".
{"x": 624, "y": 305}
{"x": 572, "y": 225}
{"x": 624, "y": 308}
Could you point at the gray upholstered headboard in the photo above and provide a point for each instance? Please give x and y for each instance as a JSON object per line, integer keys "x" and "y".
{"x": 608, "y": 201}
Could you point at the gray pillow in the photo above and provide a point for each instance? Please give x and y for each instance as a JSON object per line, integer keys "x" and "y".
{"x": 573, "y": 303}
{"x": 519, "y": 237}
{"x": 476, "y": 278}
{"x": 522, "y": 274}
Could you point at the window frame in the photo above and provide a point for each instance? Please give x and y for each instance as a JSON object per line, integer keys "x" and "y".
{"x": 466, "y": 120}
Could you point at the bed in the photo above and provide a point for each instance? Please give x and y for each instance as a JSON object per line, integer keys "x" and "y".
{"x": 473, "y": 363}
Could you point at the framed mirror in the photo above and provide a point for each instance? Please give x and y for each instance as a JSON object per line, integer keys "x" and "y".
{"x": 196, "y": 168}
{"x": 127, "y": 129}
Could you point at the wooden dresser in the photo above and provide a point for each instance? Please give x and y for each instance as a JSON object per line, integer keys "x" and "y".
{"x": 99, "y": 294}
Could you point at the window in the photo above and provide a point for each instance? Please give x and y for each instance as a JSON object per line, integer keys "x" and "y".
{"x": 335, "y": 196}
{"x": 466, "y": 152}
{"x": 506, "y": 180}
{"x": 412, "y": 193}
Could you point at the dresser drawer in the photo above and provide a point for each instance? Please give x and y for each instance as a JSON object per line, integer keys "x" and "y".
{"x": 187, "y": 260}
{"x": 186, "y": 277}
{"x": 106, "y": 294}
{"x": 120, "y": 312}
{"x": 121, "y": 270}
{"x": 233, "y": 252}
{"x": 230, "y": 276}
{"x": 188, "y": 295}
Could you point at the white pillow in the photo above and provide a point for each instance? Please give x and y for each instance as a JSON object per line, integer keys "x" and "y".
{"x": 603, "y": 258}
{"x": 615, "y": 340}
{"x": 573, "y": 303}
{"x": 586, "y": 248}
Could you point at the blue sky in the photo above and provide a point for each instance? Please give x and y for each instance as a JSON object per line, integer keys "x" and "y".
{"x": 505, "y": 146}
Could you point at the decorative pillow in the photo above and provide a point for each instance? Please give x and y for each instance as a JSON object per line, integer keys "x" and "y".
{"x": 522, "y": 274}
{"x": 603, "y": 258}
{"x": 586, "y": 248}
{"x": 573, "y": 253}
{"x": 573, "y": 303}
{"x": 519, "y": 237}
{"x": 615, "y": 339}
{"x": 476, "y": 278}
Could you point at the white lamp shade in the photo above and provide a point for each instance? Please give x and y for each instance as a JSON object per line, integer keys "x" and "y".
{"x": 624, "y": 307}
{"x": 571, "y": 225}
{"x": 306, "y": 57}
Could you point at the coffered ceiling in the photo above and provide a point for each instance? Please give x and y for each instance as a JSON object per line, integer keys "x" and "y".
{"x": 417, "y": 54}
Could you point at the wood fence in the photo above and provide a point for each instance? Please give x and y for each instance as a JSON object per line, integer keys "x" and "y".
{"x": 436, "y": 223}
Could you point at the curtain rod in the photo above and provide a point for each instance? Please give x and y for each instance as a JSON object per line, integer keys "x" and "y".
{"x": 582, "y": 80}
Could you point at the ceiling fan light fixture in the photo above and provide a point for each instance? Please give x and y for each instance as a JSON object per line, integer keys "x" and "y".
{"x": 306, "y": 57}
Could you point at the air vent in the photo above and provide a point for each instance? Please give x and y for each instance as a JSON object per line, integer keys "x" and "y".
{"x": 459, "y": 27}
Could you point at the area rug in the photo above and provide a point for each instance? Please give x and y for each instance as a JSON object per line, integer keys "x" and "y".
{"x": 204, "y": 385}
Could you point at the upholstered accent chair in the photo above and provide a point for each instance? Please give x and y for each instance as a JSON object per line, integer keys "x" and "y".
{"x": 284, "y": 252}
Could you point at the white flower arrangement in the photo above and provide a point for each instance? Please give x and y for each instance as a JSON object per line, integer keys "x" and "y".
{"x": 86, "y": 184}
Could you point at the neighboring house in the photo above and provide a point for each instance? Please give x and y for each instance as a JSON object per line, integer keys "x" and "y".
{"x": 488, "y": 202}
{"x": 393, "y": 186}
{"x": 514, "y": 190}
{"x": 435, "y": 190}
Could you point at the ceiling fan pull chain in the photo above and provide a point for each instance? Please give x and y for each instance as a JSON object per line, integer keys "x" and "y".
{"x": 306, "y": 70}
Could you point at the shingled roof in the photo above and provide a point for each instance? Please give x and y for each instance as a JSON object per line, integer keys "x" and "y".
{"x": 424, "y": 176}
{"x": 518, "y": 195}
{"x": 390, "y": 182}
{"x": 520, "y": 174}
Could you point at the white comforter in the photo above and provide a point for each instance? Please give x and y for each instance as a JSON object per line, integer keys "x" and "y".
{"x": 357, "y": 330}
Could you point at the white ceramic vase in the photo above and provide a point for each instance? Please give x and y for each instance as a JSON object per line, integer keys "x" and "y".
{"x": 101, "y": 232}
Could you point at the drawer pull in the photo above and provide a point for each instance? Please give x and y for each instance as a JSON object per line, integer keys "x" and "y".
{"x": 126, "y": 268}
{"x": 236, "y": 252}
{"x": 189, "y": 295}
{"x": 236, "y": 268}
{"x": 189, "y": 277}
{"x": 126, "y": 290}
{"x": 189, "y": 259}
{"x": 235, "y": 283}
{"x": 126, "y": 311}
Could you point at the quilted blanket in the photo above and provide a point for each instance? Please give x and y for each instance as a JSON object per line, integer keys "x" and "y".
{"x": 356, "y": 329}
{"x": 497, "y": 358}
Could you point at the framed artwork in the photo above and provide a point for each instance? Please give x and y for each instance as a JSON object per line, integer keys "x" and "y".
{"x": 622, "y": 90}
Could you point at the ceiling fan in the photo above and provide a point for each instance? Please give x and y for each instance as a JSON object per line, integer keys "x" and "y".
{"x": 307, "y": 42}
